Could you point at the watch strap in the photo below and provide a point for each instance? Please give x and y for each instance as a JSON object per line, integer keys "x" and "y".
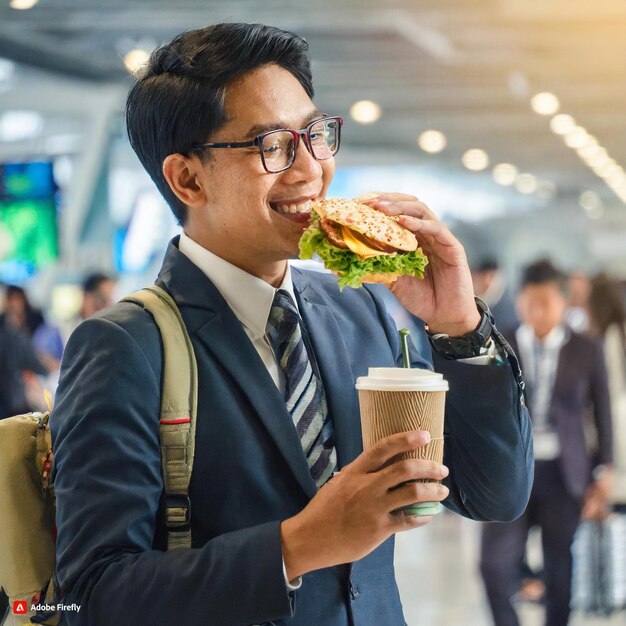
{"x": 469, "y": 345}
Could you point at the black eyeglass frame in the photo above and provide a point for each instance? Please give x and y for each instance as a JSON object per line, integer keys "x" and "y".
{"x": 305, "y": 133}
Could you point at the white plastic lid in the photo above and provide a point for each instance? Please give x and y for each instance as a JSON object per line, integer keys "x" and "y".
{"x": 401, "y": 379}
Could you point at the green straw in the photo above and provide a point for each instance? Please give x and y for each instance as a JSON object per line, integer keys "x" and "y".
{"x": 404, "y": 335}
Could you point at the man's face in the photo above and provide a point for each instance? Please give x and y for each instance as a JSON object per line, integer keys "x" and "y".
{"x": 244, "y": 218}
{"x": 542, "y": 306}
{"x": 482, "y": 280}
{"x": 99, "y": 299}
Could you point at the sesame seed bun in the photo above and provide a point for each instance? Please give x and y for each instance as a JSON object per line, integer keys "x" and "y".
{"x": 369, "y": 222}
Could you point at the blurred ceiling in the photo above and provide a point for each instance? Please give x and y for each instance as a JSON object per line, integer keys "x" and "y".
{"x": 467, "y": 68}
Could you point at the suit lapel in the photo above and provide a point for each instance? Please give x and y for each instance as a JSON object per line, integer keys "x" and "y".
{"x": 216, "y": 327}
{"x": 225, "y": 338}
{"x": 332, "y": 358}
{"x": 564, "y": 359}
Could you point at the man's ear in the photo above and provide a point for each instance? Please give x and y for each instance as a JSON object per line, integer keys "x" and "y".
{"x": 180, "y": 172}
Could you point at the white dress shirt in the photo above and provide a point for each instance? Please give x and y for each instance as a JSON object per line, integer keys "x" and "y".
{"x": 540, "y": 359}
{"x": 251, "y": 299}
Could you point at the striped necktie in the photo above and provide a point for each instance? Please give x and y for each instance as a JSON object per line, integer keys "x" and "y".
{"x": 304, "y": 392}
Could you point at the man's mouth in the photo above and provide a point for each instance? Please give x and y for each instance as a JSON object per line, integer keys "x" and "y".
{"x": 298, "y": 210}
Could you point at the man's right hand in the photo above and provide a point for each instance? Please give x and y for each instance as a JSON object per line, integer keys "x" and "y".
{"x": 351, "y": 515}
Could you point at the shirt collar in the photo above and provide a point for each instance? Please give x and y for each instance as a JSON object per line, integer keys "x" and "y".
{"x": 554, "y": 339}
{"x": 249, "y": 297}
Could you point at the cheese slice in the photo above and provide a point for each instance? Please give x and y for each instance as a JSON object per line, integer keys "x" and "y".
{"x": 357, "y": 244}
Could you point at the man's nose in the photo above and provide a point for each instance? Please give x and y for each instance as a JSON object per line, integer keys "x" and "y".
{"x": 305, "y": 165}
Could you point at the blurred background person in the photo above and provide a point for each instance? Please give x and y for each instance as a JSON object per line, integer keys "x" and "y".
{"x": 98, "y": 293}
{"x": 607, "y": 316}
{"x": 578, "y": 289}
{"x": 565, "y": 376}
{"x": 30, "y": 352}
{"x": 18, "y": 365}
{"x": 22, "y": 316}
{"x": 490, "y": 284}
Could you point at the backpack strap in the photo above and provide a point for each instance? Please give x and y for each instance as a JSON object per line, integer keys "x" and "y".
{"x": 179, "y": 406}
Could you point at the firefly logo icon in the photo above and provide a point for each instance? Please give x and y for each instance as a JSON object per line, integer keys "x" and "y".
{"x": 20, "y": 607}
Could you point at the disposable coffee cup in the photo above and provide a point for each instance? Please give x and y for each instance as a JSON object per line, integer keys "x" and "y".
{"x": 395, "y": 400}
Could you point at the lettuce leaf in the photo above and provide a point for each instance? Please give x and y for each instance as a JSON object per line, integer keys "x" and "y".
{"x": 349, "y": 267}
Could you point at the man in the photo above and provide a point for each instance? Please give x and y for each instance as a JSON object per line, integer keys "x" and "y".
{"x": 18, "y": 362}
{"x": 290, "y": 525}
{"x": 566, "y": 376}
{"x": 98, "y": 291}
{"x": 490, "y": 284}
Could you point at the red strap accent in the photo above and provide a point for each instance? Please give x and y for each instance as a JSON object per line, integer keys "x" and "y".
{"x": 178, "y": 420}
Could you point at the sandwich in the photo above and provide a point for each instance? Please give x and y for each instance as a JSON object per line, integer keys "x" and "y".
{"x": 361, "y": 244}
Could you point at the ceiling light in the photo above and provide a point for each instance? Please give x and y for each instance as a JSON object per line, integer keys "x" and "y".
{"x": 545, "y": 103}
{"x": 589, "y": 200}
{"x": 475, "y": 160}
{"x": 616, "y": 185}
{"x": 609, "y": 170}
{"x": 590, "y": 142}
{"x": 546, "y": 189}
{"x": 22, "y": 4}
{"x": 135, "y": 59}
{"x": 432, "y": 141}
{"x": 589, "y": 151}
{"x": 504, "y": 174}
{"x": 577, "y": 137}
{"x": 561, "y": 124}
{"x": 599, "y": 159}
{"x": 365, "y": 111}
{"x": 595, "y": 214}
{"x": 526, "y": 183}
{"x": 606, "y": 165}
{"x": 20, "y": 125}
{"x": 614, "y": 172}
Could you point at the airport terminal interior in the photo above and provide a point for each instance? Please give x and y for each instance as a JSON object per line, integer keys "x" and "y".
{"x": 506, "y": 117}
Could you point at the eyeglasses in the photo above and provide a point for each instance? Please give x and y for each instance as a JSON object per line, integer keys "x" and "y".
{"x": 278, "y": 148}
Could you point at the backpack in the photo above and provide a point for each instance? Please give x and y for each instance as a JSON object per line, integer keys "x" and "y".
{"x": 27, "y": 503}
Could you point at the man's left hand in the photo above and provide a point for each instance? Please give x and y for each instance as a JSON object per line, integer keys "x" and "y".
{"x": 596, "y": 502}
{"x": 444, "y": 299}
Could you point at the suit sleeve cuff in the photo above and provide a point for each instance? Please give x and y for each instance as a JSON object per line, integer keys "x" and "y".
{"x": 292, "y": 585}
{"x": 492, "y": 354}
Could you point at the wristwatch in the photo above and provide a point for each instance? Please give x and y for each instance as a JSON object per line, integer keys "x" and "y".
{"x": 469, "y": 345}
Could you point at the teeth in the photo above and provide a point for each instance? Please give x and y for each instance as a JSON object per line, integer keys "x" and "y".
{"x": 305, "y": 207}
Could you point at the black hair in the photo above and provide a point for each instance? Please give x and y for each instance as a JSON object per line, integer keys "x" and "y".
{"x": 33, "y": 317}
{"x": 92, "y": 282}
{"x": 178, "y": 102}
{"x": 487, "y": 264}
{"x": 542, "y": 272}
{"x": 606, "y": 307}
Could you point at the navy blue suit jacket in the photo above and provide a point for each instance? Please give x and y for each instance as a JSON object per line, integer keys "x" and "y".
{"x": 580, "y": 389}
{"x": 249, "y": 471}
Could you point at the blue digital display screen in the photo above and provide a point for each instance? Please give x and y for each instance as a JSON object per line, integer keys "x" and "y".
{"x": 28, "y": 219}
